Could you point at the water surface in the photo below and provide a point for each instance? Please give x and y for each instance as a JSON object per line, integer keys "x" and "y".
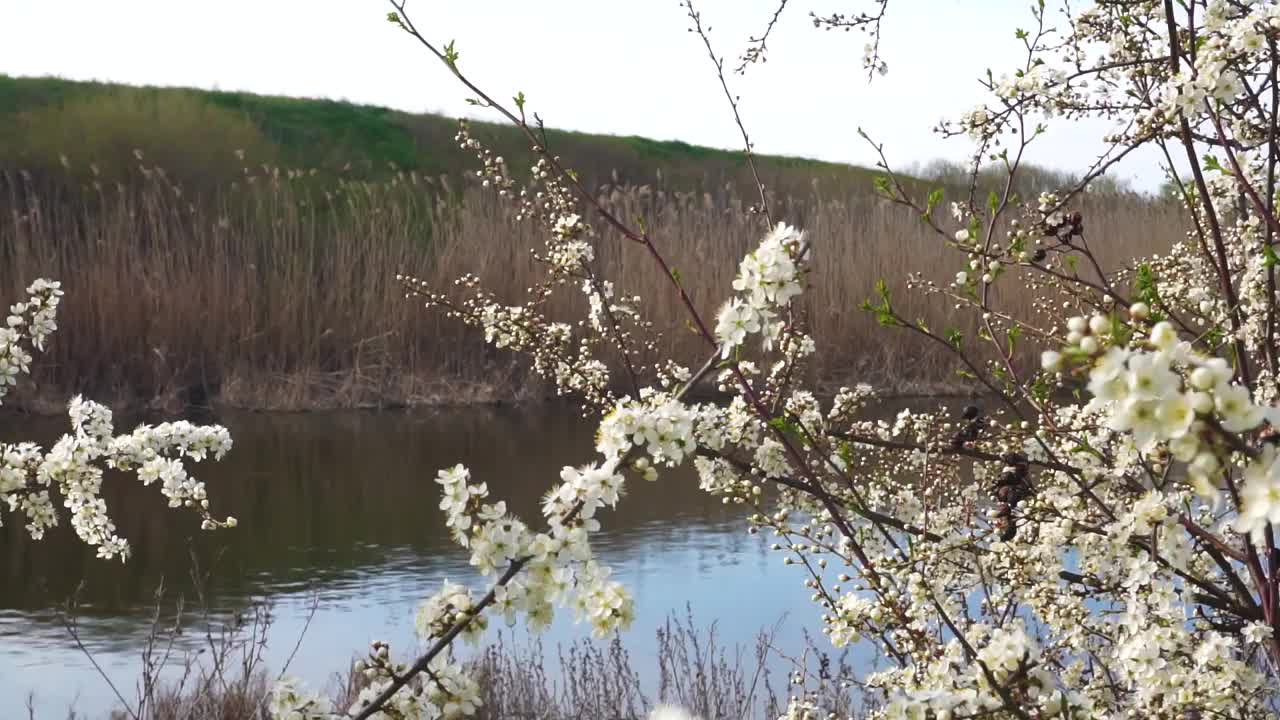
{"x": 340, "y": 509}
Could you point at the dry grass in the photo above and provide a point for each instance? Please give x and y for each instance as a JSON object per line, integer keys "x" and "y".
{"x": 695, "y": 671}
{"x": 279, "y": 291}
{"x": 520, "y": 680}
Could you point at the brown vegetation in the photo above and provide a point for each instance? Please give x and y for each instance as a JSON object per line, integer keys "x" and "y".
{"x": 279, "y": 291}
{"x": 519, "y": 680}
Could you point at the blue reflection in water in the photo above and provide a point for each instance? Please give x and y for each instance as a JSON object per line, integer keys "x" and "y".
{"x": 342, "y": 509}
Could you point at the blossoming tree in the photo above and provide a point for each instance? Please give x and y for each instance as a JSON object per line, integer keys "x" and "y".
{"x": 1098, "y": 542}
{"x": 73, "y": 469}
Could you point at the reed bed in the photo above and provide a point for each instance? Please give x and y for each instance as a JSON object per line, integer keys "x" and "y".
{"x": 692, "y": 667}
{"x": 278, "y": 290}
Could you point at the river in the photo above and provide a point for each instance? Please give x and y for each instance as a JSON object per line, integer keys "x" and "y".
{"x": 338, "y": 511}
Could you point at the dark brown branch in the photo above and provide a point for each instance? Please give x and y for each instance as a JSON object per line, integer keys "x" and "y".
{"x": 718, "y": 62}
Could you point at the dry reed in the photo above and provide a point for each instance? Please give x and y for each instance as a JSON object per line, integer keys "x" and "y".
{"x": 518, "y": 679}
{"x": 279, "y": 292}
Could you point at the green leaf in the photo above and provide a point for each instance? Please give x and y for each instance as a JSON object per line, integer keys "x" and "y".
{"x": 883, "y": 309}
{"x": 394, "y": 17}
{"x": 1041, "y": 388}
{"x": 1213, "y": 337}
{"x": 1120, "y": 331}
{"x": 1146, "y": 283}
{"x": 451, "y": 55}
{"x": 846, "y": 453}
{"x": 1148, "y": 291}
{"x": 955, "y": 338}
{"x": 935, "y": 198}
{"x": 1211, "y": 163}
{"x": 519, "y": 100}
{"x": 1086, "y": 447}
{"x": 783, "y": 425}
{"x": 883, "y": 187}
{"x": 1269, "y": 257}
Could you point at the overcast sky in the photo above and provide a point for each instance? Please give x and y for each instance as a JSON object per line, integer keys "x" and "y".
{"x": 611, "y": 66}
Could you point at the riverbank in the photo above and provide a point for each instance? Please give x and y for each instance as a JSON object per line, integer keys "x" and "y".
{"x": 282, "y": 299}
{"x": 225, "y": 279}
{"x": 309, "y": 392}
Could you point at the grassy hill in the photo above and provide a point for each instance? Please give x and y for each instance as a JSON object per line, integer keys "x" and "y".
{"x": 194, "y": 136}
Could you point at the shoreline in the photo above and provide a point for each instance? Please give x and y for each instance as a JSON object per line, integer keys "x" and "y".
{"x": 302, "y": 394}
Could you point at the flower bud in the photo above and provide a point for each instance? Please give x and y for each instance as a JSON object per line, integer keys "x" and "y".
{"x": 1221, "y": 370}
{"x": 1201, "y": 402}
{"x": 1185, "y": 448}
{"x": 1205, "y": 463}
{"x": 1051, "y": 360}
{"x": 1139, "y": 311}
{"x": 1163, "y": 335}
{"x": 1202, "y": 378}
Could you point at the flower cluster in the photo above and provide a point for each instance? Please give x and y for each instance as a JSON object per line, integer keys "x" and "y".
{"x": 571, "y": 360}
{"x": 1230, "y": 45}
{"x": 767, "y": 280}
{"x": 28, "y": 322}
{"x": 661, "y": 425}
{"x": 446, "y": 693}
{"x": 1162, "y": 392}
{"x": 288, "y": 702}
{"x": 32, "y": 480}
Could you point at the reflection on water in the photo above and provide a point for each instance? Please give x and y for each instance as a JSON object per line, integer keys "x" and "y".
{"x": 343, "y": 507}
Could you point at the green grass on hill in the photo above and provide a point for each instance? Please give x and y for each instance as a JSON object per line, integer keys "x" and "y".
{"x": 193, "y": 135}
